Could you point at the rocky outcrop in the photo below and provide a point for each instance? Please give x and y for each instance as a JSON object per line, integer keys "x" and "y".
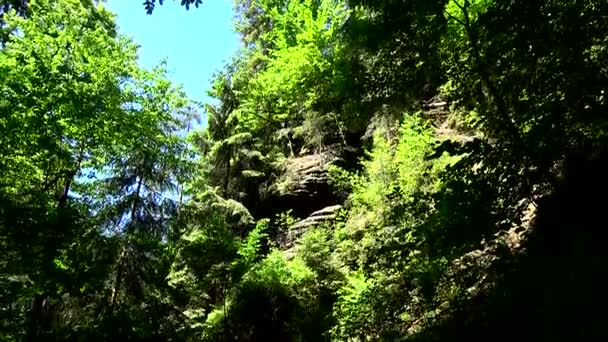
{"x": 317, "y": 217}
{"x": 304, "y": 190}
{"x": 304, "y": 174}
{"x": 298, "y": 229}
{"x": 304, "y": 185}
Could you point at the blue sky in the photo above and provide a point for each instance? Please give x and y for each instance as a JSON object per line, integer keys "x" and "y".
{"x": 195, "y": 42}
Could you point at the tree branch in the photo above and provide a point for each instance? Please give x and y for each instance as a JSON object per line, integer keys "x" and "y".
{"x": 462, "y": 8}
{"x": 456, "y": 19}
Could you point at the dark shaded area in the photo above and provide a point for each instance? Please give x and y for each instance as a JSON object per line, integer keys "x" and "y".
{"x": 20, "y": 6}
{"x": 554, "y": 290}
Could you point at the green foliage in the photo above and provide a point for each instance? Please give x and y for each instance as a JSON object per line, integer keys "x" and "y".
{"x": 276, "y": 269}
{"x": 316, "y": 250}
{"x": 352, "y": 309}
{"x": 339, "y": 179}
{"x": 90, "y": 145}
{"x": 250, "y": 248}
{"x": 442, "y": 128}
{"x": 67, "y": 93}
{"x": 276, "y": 291}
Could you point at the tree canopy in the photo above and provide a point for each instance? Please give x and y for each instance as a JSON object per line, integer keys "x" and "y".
{"x": 404, "y": 170}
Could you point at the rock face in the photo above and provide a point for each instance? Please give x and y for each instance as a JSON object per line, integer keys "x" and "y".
{"x": 320, "y": 216}
{"x": 305, "y": 191}
{"x": 298, "y": 229}
{"x": 327, "y": 213}
{"x": 304, "y": 186}
{"x": 304, "y": 172}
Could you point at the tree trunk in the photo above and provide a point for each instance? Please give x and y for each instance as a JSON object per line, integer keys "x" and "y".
{"x": 501, "y": 106}
{"x": 136, "y": 199}
{"x": 34, "y": 319}
{"x": 227, "y": 176}
{"x": 63, "y": 199}
{"x": 118, "y": 278}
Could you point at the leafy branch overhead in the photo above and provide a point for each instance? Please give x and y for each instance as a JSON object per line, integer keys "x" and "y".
{"x": 150, "y": 4}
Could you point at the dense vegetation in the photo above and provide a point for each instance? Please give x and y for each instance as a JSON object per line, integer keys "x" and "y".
{"x": 411, "y": 170}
